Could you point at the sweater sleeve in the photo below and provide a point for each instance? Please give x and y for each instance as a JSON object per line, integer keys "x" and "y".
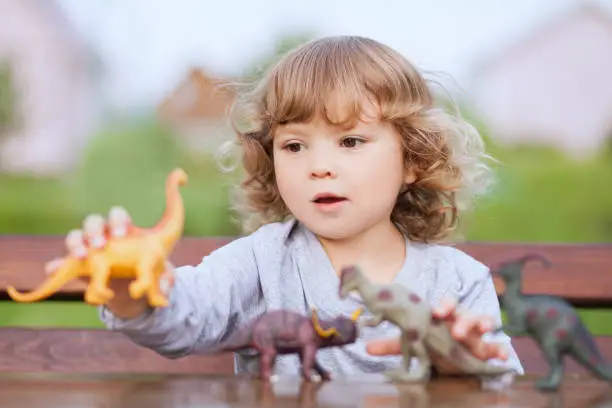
{"x": 477, "y": 293}
{"x": 206, "y": 303}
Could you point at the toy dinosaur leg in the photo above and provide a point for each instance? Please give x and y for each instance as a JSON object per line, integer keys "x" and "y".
{"x": 263, "y": 342}
{"x": 144, "y": 274}
{"x": 98, "y": 291}
{"x": 414, "y": 396}
{"x": 309, "y": 361}
{"x": 423, "y": 368}
{"x": 267, "y": 357}
{"x": 550, "y": 349}
{"x": 307, "y": 396}
{"x": 406, "y": 360}
{"x": 411, "y": 347}
{"x": 155, "y": 295}
{"x": 323, "y": 373}
{"x": 373, "y": 321}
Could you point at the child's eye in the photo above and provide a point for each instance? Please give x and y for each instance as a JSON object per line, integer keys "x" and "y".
{"x": 293, "y": 147}
{"x": 351, "y": 141}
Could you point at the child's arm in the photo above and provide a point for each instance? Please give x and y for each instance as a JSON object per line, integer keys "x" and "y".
{"x": 206, "y": 302}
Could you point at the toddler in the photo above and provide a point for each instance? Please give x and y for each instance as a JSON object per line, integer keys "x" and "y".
{"x": 347, "y": 160}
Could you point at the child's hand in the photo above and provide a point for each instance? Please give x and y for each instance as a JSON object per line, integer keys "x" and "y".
{"x": 95, "y": 234}
{"x": 468, "y": 329}
{"x": 465, "y": 327}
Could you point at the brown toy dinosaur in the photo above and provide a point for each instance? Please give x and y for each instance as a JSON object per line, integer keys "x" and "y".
{"x": 422, "y": 335}
{"x": 279, "y": 332}
{"x": 141, "y": 254}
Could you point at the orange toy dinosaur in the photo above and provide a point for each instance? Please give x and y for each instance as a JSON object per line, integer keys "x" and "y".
{"x": 141, "y": 254}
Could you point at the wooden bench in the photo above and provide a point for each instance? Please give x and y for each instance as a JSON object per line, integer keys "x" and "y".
{"x": 581, "y": 273}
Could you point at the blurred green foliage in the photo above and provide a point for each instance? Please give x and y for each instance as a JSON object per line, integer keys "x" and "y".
{"x": 7, "y": 97}
{"x": 542, "y": 195}
{"x": 126, "y": 165}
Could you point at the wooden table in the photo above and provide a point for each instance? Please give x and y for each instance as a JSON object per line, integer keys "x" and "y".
{"x": 173, "y": 391}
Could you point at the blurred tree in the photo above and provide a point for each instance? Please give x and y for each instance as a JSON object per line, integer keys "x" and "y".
{"x": 127, "y": 164}
{"x": 7, "y": 97}
{"x": 607, "y": 146}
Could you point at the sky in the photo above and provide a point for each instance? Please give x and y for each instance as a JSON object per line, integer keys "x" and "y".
{"x": 147, "y": 45}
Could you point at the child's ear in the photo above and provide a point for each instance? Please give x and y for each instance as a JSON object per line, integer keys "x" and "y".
{"x": 410, "y": 176}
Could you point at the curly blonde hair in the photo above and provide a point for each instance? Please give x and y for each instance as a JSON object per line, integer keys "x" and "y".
{"x": 446, "y": 153}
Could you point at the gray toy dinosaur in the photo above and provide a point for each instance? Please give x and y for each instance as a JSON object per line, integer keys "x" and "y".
{"x": 551, "y": 322}
{"x": 422, "y": 335}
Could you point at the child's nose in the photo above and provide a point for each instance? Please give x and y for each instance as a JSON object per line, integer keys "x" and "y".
{"x": 322, "y": 169}
{"x": 322, "y": 173}
{"x": 322, "y": 163}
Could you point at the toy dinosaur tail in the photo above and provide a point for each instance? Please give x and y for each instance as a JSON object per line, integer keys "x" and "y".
{"x": 470, "y": 364}
{"x": 585, "y": 350}
{"x": 71, "y": 268}
{"x": 170, "y": 226}
{"x": 440, "y": 342}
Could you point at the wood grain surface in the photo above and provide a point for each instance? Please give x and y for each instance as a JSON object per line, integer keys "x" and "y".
{"x": 580, "y": 273}
{"x": 94, "y": 351}
{"x": 103, "y": 351}
{"x": 167, "y": 391}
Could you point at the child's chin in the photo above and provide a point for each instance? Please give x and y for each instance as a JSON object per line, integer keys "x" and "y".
{"x": 333, "y": 229}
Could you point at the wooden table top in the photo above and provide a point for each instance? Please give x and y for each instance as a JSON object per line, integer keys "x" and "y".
{"x": 171, "y": 391}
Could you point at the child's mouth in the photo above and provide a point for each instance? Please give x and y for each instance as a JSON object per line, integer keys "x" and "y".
{"x": 329, "y": 202}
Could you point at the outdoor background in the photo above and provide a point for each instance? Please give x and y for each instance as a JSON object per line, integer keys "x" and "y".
{"x": 100, "y": 99}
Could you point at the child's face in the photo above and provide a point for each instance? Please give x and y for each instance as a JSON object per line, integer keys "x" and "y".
{"x": 360, "y": 171}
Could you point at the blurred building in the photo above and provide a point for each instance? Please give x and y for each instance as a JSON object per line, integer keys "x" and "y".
{"x": 197, "y": 109}
{"x": 554, "y": 87}
{"x": 52, "y": 85}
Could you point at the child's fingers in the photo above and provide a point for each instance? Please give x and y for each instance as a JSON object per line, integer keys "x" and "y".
{"x": 487, "y": 350}
{"x": 468, "y": 324}
{"x": 502, "y": 352}
{"x": 75, "y": 243}
{"x": 464, "y": 325}
{"x": 384, "y": 347}
{"x": 486, "y": 324}
{"x": 446, "y": 308}
{"x": 119, "y": 221}
{"x": 94, "y": 228}
{"x": 469, "y": 330}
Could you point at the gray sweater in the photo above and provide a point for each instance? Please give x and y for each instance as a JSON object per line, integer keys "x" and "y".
{"x": 283, "y": 265}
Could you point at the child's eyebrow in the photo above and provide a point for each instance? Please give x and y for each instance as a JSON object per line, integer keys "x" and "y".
{"x": 295, "y": 128}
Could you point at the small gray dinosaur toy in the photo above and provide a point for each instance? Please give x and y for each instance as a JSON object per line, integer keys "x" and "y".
{"x": 422, "y": 335}
{"x": 551, "y": 322}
